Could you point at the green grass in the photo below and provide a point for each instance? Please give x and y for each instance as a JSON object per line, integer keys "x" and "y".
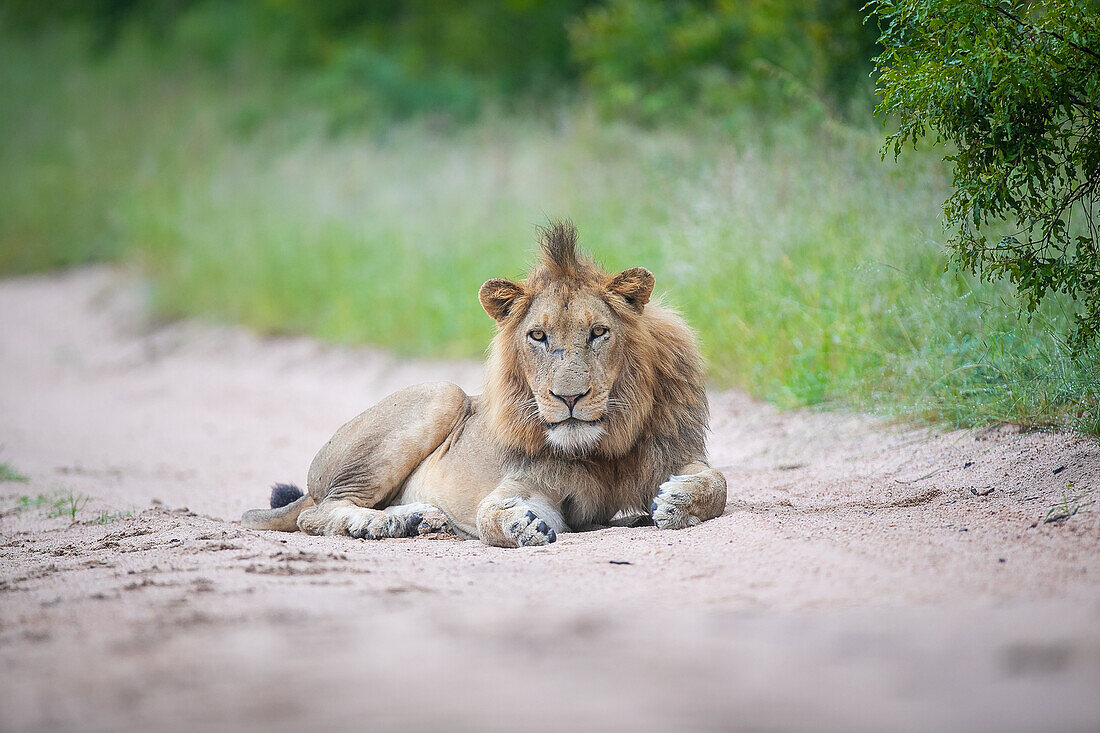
{"x": 814, "y": 272}
{"x": 59, "y": 504}
{"x": 1070, "y": 505}
{"x": 9, "y": 473}
{"x": 106, "y": 517}
{"x": 34, "y": 502}
{"x": 68, "y": 504}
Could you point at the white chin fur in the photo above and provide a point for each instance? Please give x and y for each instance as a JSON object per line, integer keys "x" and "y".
{"x": 574, "y": 437}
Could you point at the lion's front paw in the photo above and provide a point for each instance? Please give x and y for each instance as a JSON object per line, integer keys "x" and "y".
{"x": 511, "y": 521}
{"x": 528, "y": 530}
{"x": 674, "y": 506}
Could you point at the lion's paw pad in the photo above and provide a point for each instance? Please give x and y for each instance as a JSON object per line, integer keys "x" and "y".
{"x": 672, "y": 507}
{"x": 530, "y": 531}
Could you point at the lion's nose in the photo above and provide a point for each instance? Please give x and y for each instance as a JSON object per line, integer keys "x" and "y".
{"x": 571, "y": 399}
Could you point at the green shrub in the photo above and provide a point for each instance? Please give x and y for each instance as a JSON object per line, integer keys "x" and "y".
{"x": 1014, "y": 89}
{"x": 653, "y": 61}
{"x": 814, "y": 272}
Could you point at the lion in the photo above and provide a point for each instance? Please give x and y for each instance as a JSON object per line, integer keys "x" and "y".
{"x": 594, "y": 409}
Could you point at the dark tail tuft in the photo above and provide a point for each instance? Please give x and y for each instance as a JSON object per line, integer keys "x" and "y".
{"x": 283, "y": 494}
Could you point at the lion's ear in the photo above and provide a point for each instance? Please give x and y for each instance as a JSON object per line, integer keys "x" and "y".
{"x": 498, "y": 295}
{"x": 634, "y": 286}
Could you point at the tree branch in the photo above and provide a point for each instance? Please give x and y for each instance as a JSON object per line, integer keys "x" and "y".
{"x": 1055, "y": 34}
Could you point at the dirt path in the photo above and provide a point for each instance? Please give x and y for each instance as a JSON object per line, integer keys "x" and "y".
{"x": 862, "y": 578}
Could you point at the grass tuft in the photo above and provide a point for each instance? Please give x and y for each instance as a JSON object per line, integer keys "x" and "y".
{"x": 34, "y": 502}
{"x": 68, "y": 504}
{"x": 111, "y": 517}
{"x": 1072, "y": 502}
{"x": 9, "y": 473}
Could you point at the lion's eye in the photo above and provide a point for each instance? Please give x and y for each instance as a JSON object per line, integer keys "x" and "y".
{"x": 537, "y": 335}
{"x": 598, "y": 331}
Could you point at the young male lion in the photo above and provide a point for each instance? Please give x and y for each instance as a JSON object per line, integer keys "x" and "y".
{"x": 594, "y": 405}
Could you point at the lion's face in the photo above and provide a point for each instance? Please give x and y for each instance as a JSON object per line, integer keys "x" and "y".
{"x": 570, "y": 350}
{"x": 566, "y": 335}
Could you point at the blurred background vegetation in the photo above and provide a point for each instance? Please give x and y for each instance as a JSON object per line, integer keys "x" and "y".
{"x": 354, "y": 170}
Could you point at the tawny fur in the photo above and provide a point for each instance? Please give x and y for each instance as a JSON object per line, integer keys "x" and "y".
{"x": 521, "y": 462}
{"x": 661, "y": 420}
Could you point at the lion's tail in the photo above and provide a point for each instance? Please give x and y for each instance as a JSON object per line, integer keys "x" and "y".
{"x": 287, "y": 502}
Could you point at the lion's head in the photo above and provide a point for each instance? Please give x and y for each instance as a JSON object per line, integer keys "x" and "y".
{"x": 580, "y": 355}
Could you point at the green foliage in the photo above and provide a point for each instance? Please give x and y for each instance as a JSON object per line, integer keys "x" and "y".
{"x": 813, "y": 272}
{"x": 652, "y": 61}
{"x": 361, "y": 63}
{"x": 61, "y": 159}
{"x": 361, "y": 86}
{"x": 1014, "y": 88}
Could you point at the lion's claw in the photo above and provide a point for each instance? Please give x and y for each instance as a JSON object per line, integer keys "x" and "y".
{"x": 531, "y": 531}
{"x": 672, "y": 507}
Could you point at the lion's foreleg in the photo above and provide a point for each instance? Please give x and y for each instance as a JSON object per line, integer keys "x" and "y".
{"x": 694, "y": 494}
{"x": 514, "y": 516}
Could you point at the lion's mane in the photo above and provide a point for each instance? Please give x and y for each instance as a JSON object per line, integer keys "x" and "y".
{"x": 658, "y": 419}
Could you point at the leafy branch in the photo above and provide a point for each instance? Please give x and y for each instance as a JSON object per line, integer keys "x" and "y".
{"x": 1013, "y": 89}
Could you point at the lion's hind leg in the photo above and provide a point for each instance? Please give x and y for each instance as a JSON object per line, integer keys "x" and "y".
{"x": 342, "y": 517}
{"x": 358, "y": 475}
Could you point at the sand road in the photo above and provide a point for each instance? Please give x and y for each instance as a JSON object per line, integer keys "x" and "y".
{"x": 863, "y": 577}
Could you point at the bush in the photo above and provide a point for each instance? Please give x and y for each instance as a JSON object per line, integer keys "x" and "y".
{"x": 390, "y": 59}
{"x": 1014, "y": 89}
{"x": 650, "y": 61}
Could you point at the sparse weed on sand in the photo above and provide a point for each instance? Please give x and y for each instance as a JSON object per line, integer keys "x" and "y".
{"x": 1072, "y": 502}
{"x": 34, "y": 502}
{"x": 68, "y": 504}
{"x": 111, "y": 517}
{"x": 57, "y": 504}
{"x": 9, "y": 473}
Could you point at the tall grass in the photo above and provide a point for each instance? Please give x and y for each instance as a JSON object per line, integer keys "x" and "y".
{"x": 814, "y": 272}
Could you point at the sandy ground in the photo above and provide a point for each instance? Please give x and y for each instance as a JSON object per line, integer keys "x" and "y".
{"x": 863, "y": 577}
